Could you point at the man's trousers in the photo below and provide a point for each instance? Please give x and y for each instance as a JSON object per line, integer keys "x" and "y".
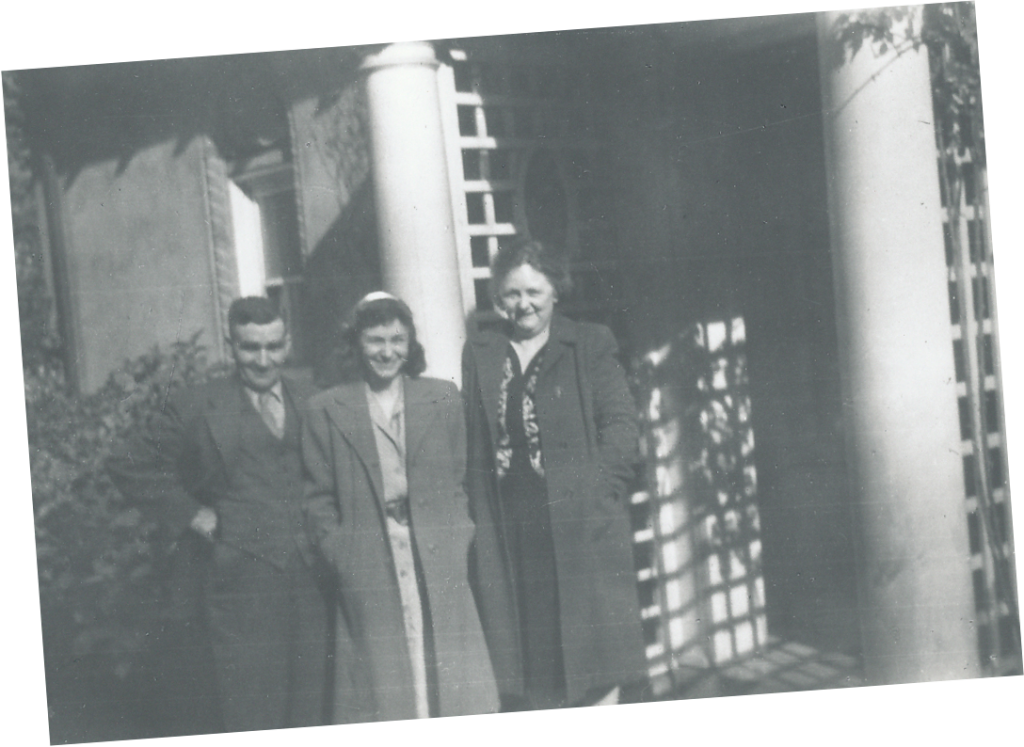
{"x": 269, "y": 629}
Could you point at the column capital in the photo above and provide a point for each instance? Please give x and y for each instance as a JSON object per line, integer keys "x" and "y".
{"x": 401, "y": 54}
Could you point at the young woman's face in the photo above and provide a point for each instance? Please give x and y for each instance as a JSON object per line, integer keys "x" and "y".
{"x": 385, "y": 349}
{"x": 527, "y": 299}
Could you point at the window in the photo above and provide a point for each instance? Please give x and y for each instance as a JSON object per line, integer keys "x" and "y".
{"x": 268, "y": 252}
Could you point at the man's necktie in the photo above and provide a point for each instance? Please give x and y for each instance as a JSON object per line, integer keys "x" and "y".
{"x": 272, "y": 412}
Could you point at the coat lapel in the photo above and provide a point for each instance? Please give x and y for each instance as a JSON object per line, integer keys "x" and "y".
{"x": 223, "y": 415}
{"x": 563, "y": 336}
{"x": 420, "y": 411}
{"x": 351, "y": 415}
{"x": 490, "y": 354}
{"x": 298, "y": 391}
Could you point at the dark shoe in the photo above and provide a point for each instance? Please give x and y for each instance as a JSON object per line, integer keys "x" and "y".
{"x": 632, "y": 692}
{"x": 513, "y": 703}
{"x": 637, "y": 692}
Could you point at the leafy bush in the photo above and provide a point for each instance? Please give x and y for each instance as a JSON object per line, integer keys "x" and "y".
{"x": 950, "y": 33}
{"x": 98, "y": 557}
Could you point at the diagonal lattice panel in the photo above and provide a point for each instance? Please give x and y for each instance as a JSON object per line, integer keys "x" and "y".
{"x": 698, "y": 445}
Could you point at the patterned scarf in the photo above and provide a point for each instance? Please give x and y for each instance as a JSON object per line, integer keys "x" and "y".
{"x": 503, "y": 453}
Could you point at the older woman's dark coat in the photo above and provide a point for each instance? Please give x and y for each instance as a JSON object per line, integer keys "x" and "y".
{"x": 345, "y": 502}
{"x": 589, "y": 441}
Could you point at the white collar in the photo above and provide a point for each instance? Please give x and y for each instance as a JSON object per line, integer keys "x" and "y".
{"x": 527, "y": 349}
{"x": 277, "y": 390}
{"x": 387, "y": 405}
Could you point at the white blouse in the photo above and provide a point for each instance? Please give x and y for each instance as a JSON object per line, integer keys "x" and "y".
{"x": 389, "y": 434}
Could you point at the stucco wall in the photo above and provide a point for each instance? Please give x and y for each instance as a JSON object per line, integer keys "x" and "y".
{"x": 138, "y": 256}
{"x": 138, "y": 213}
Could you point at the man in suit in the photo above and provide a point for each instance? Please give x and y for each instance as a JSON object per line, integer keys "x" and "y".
{"x": 220, "y": 464}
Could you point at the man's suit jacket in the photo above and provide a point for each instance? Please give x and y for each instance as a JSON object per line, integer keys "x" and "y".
{"x": 265, "y": 647}
{"x": 185, "y": 460}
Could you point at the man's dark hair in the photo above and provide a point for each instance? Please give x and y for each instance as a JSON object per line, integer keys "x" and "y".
{"x": 252, "y": 310}
{"x": 375, "y": 313}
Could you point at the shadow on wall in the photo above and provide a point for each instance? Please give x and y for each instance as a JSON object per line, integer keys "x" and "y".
{"x": 344, "y": 266}
{"x": 92, "y": 113}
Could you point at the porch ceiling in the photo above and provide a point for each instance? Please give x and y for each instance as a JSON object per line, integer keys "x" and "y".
{"x": 739, "y": 35}
{"x": 597, "y": 48}
{"x": 238, "y": 98}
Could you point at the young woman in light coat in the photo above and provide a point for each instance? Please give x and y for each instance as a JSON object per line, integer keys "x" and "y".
{"x": 385, "y": 461}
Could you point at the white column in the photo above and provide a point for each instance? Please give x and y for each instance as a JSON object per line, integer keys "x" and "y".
{"x": 899, "y": 388}
{"x": 414, "y": 211}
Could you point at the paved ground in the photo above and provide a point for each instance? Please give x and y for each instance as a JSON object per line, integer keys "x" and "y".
{"x": 124, "y": 710}
{"x": 780, "y": 667}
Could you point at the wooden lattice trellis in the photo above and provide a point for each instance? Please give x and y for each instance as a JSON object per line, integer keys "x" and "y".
{"x": 698, "y": 443}
{"x": 979, "y": 392}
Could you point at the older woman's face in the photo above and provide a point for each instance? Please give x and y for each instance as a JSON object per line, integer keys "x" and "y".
{"x": 385, "y": 349}
{"x": 527, "y": 299}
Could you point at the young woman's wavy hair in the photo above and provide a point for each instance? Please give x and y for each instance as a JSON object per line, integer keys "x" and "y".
{"x": 373, "y": 311}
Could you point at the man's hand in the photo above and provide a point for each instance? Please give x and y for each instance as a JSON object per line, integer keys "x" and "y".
{"x": 204, "y": 522}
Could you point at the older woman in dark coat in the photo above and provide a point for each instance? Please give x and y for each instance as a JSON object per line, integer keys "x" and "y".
{"x": 552, "y": 444}
{"x": 385, "y": 461}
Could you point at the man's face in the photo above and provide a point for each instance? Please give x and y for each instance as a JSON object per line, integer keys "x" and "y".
{"x": 259, "y": 351}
